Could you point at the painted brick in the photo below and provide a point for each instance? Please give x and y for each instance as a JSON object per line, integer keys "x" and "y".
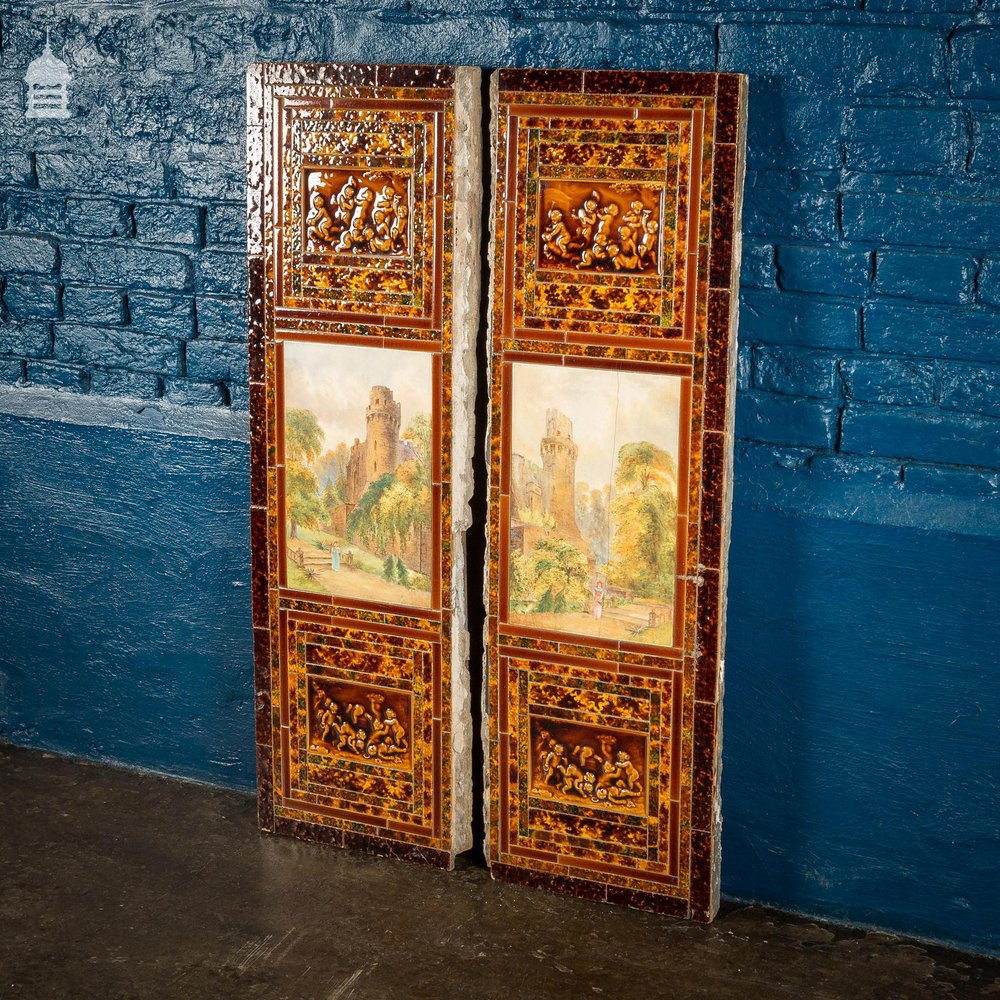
{"x": 221, "y": 319}
{"x": 121, "y": 382}
{"x": 985, "y": 144}
{"x": 920, "y": 220}
{"x": 208, "y": 171}
{"x": 21, "y": 254}
{"x": 11, "y": 371}
{"x": 989, "y": 281}
{"x": 142, "y": 267}
{"x": 15, "y": 166}
{"x": 31, "y": 298}
{"x": 217, "y": 360}
{"x": 162, "y": 315}
{"x": 56, "y": 376}
{"x": 852, "y": 471}
{"x": 805, "y": 321}
{"x": 578, "y": 25}
{"x": 757, "y": 268}
{"x": 893, "y": 61}
{"x": 792, "y": 124}
{"x": 970, "y": 387}
{"x": 36, "y": 211}
{"x": 826, "y": 270}
{"x": 137, "y": 172}
{"x": 226, "y": 222}
{"x": 905, "y": 140}
{"x": 800, "y": 215}
{"x": 796, "y": 372}
{"x": 744, "y": 367}
{"x": 33, "y": 339}
{"x": 923, "y": 6}
{"x": 886, "y": 60}
{"x": 116, "y": 346}
{"x": 955, "y": 482}
{"x": 931, "y": 332}
{"x": 86, "y": 304}
{"x": 929, "y": 435}
{"x": 976, "y": 63}
{"x": 167, "y": 222}
{"x": 239, "y": 396}
{"x": 222, "y": 272}
{"x": 929, "y": 277}
{"x": 896, "y": 381}
{"x": 764, "y": 416}
{"x": 99, "y": 217}
{"x": 187, "y": 392}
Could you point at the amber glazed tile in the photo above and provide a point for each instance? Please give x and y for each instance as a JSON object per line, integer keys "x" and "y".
{"x": 613, "y": 345}
{"x": 364, "y": 204}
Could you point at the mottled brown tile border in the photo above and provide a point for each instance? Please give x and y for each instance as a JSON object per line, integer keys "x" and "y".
{"x": 301, "y": 792}
{"x": 712, "y": 108}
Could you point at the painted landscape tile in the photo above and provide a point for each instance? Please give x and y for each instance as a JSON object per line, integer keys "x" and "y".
{"x": 613, "y": 357}
{"x": 358, "y": 508}
{"x": 364, "y": 208}
{"x": 593, "y": 509}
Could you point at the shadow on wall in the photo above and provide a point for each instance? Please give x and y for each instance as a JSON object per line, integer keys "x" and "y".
{"x": 124, "y": 565}
{"x": 860, "y": 720}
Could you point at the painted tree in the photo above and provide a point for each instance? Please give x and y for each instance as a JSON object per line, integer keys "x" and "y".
{"x": 363, "y": 524}
{"x": 303, "y": 440}
{"x": 521, "y": 580}
{"x": 593, "y": 519}
{"x": 398, "y": 503}
{"x": 644, "y": 518}
{"x": 642, "y": 464}
{"x": 331, "y": 470}
{"x": 560, "y": 576}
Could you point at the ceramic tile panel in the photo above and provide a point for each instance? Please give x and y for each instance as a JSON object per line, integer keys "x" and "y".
{"x": 612, "y": 374}
{"x": 364, "y": 207}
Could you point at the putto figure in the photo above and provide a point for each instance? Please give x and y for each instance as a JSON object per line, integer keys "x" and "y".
{"x": 605, "y": 235}
{"x": 359, "y": 220}
{"x": 605, "y": 776}
{"x": 356, "y": 729}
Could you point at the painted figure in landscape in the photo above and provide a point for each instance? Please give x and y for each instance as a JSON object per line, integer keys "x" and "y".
{"x": 358, "y": 472}
{"x": 612, "y": 229}
{"x": 593, "y": 502}
{"x": 367, "y": 214}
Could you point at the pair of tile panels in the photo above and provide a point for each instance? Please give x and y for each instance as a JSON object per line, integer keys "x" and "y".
{"x": 615, "y": 216}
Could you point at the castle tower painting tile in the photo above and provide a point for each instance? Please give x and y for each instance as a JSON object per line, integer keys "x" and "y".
{"x": 612, "y": 373}
{"x": 593, "y": 502}
{"x": 363, "y": 229}
{"x": 358, "y": 463}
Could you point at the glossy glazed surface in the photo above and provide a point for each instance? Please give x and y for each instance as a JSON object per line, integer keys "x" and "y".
{"x": 616, "y": 210}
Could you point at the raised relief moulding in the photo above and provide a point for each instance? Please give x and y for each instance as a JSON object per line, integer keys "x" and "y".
{"x": 615, "y": 260}
{"x": 364, "y": 209}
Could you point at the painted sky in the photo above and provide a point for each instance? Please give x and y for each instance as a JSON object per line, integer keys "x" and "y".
{"x": 608, "y": 409}
{"x": 335, "y": 380}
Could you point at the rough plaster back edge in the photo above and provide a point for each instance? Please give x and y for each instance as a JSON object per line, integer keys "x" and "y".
{"x": 484, "y": 731}
{"x": 465, "y": 327}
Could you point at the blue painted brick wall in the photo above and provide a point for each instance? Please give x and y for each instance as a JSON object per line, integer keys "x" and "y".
{"x": 868, "y": 373}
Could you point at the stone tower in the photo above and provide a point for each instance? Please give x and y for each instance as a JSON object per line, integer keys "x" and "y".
{"x": 559, "y": 453}
{"x": 382, "y": 439}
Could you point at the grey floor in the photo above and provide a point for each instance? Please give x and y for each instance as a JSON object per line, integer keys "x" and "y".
{"x": 115, "y": 884}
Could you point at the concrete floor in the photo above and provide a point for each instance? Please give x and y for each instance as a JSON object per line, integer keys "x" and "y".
{"x": 115, "y": 884}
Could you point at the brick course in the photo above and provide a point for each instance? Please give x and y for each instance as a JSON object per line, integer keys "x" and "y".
{"x": 870, "y": 312}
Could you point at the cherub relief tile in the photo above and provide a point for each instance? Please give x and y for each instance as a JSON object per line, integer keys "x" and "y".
{"x": 614, "y": 275}
{"x": 364, "y": 207}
